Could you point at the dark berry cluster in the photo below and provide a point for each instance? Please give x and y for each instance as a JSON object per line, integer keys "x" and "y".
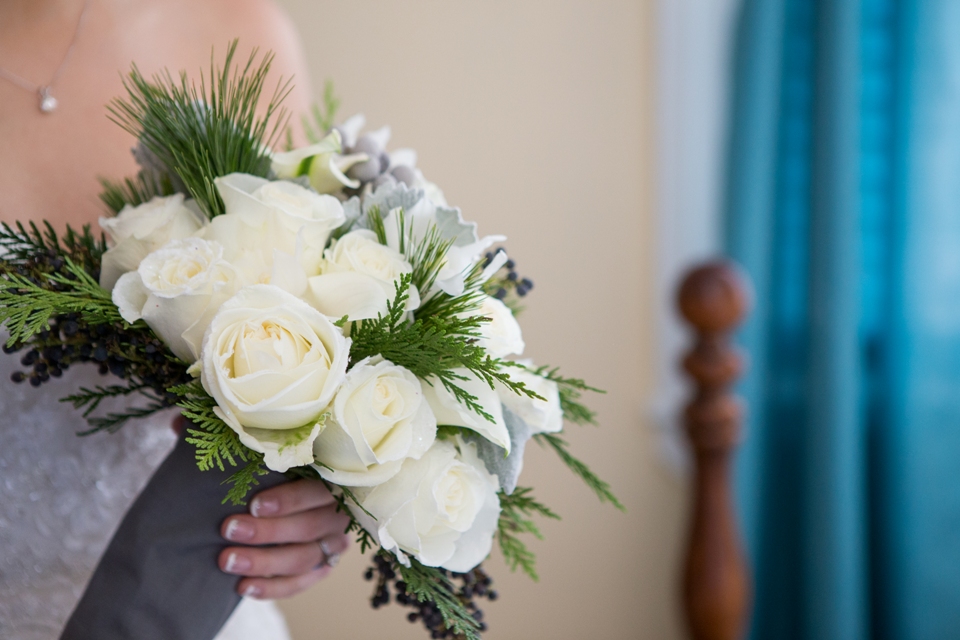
{"x": 506, "y": 280}
{"x": 127, "y": 353}
{"x": 469, "y": 586}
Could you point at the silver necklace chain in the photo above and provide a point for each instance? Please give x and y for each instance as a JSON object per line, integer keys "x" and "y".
{"x": 46, "y": 101}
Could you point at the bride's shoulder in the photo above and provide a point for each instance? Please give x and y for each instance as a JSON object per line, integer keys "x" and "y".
{"x": 192, "y": 27}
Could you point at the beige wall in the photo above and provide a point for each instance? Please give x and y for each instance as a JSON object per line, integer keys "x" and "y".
{"x": 536, "y": 117}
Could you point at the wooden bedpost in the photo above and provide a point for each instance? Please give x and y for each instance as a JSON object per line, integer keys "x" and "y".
{"x": 716, "y": 585}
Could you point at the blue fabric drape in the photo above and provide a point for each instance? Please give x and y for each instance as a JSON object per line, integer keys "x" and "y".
{"x": 843, "y": 205}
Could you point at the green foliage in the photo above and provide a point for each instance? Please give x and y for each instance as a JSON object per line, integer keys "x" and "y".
{"x": 428, "y": 584}
{"x": 216, "y": 442}
{"x": 40, "y": 249}
{"x": 133, "y": 191}
{"x": 203, "y": 132}
{"x": 432, "y": 348}
{"x": 323, "y": 118}
{"x": 601, "y": 488}
{"x": 28, "y": 302}
{"x": 89, "y": 399}
{"x": 571, "y": 390}
{"x": 515, "y": 512}
{"x": 468, "y": 303}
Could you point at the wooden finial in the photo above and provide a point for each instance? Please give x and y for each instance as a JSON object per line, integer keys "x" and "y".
{"x": 716, "y": 586}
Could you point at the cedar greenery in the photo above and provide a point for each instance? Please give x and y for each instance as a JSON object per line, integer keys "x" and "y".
{"x": 429, "y": 584}
{"x": 600, "y": 487}
{"x": 515, "y": 512}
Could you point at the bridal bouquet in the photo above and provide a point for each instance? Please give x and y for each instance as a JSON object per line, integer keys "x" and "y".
{"x": 319, "y": 311}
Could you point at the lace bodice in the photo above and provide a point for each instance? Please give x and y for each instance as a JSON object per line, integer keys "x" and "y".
{"x": 62, "y": 497}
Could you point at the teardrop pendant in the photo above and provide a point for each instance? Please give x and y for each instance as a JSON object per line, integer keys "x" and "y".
{"x": 47, "y": 102}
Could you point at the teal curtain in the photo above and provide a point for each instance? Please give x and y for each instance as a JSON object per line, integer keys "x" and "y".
{"x": 843, "y": 205}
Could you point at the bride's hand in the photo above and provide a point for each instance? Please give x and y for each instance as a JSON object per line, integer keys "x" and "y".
{"x": 301, "y": 520}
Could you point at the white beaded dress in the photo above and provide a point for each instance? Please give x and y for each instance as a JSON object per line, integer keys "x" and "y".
{"x": 62, "y": 497}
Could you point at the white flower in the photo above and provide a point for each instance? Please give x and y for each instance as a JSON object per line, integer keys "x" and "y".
{"x": 137, "y": 231}
{"x": 542, "y": 416}
{"x": 273, "y": 364}
{"x": 273, "y": 232}
{"x": 449, "y": 411}
{"x": 501, "y": 336}
{"x": 442, "y": 509}
{"x": 379, "y": 419}
{"x": 322, "y": 163}
{"x": 176, "y": 290}
{"x": 358, "y": 278}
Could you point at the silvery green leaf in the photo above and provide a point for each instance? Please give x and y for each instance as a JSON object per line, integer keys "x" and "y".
{"x": 506, "y": 468}
{"x": 391, "y": 196}
{"x": 450, "y": 223}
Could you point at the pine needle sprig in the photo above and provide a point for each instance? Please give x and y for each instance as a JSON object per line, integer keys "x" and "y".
{"x": 134, "y": 191}
{"x": 428, "y": 584}
{"x": 44, "y": 250}
{"x": 515, "y": 512}
{"x": 202, "y": 132}
{"x": 600, "y": 487}
{"x": 469, "y": 302}
{"x": 89, "y": 399}
{"x": 324, "y": 118}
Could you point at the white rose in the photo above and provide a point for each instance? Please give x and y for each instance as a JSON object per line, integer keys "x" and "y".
{"x": 137, "y": 231}
{"x": 273, "y": 364}
{"x": 379, "y": 419}
{"x": 176, "y": 290}
{"x": 542, "y": 416}
{"x": 274, "y": 232}
{"x": 501, "y": 336}
{"x": 359, "y": 278}
{"x": 442, "y": 508}
{"x": 449, "y": 411}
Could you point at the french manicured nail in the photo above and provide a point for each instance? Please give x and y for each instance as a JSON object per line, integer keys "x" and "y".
{"x": 237, "y": 563}
{"x": 239, "y": 531}
{"x": 253, "y": 591}
{"x": 264, "y": 507}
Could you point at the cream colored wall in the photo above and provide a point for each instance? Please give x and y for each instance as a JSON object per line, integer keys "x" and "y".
{"x": 536, "y": 117}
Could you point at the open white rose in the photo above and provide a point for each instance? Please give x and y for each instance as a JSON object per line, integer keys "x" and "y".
{"x": 176, "y": 290}
{"x": 449, "y": 411}
{"x": 379, "y": 419}
{"x": 443, "y": 508}
{"x": 273, "y": 363}
{"x": 542, "y": 416}
{"x": 137, "y": 231}
{"x": 501, "y": 337}
{"x": 359, "y": 278}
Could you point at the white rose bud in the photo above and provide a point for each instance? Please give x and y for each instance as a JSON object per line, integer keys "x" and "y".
{"x": 449, "y": 411}
{"x": 443, "y": 508}
{"x": 359, "y": 278}
{"x": 501, "y": 337}
{"x": 273, "y": 364}
{"x": 177, "y": 289}
{"x": 542, "y": 416}
{"x": 138, "y": 231}
{"x": 379, "y": 419}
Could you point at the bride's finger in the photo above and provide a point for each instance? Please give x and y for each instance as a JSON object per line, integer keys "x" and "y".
{"x": 273, "y": 588}
{"x": 290, "y": 497}
{"x": 285, "y": 560}
{"x": 299, "y": 527}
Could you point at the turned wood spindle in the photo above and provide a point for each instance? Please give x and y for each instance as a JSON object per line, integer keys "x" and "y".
{"x": 716, "y": 585}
